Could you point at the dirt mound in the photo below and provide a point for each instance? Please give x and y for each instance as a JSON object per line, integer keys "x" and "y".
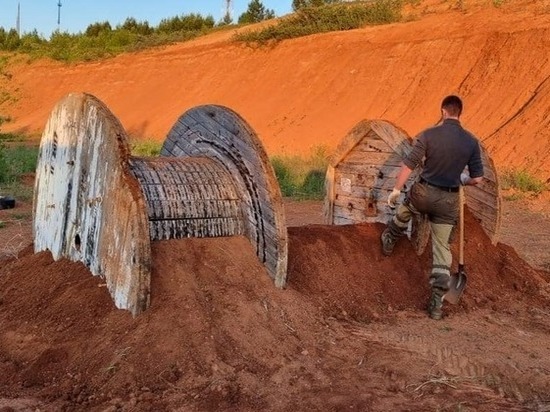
{"x": 343, "y": 268}
{"x": 219, "y": 336}
{"x": 311, "y": 91}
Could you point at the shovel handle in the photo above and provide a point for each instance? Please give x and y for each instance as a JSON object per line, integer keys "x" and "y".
{"x": 461, "y": 225}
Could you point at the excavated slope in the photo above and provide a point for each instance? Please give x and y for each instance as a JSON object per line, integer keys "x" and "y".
{"x": 310, "y": 91}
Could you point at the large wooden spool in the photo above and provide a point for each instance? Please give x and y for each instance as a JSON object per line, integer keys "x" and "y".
{"x": 96, "y": 204}
{"x": 362, "y": 172}
{"x": 221, "y": 134}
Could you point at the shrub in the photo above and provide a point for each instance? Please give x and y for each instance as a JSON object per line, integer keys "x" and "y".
{"x": 100, "y": 40}
{"x": 522, "y": 181}
{"x": 325, "y": 18}
{"x": 302, "y": 177}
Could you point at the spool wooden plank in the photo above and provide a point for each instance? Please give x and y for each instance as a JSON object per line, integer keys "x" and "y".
{"x": 189, "y": 197}
{"x": 328, "y": 206}
{"x": 87, "y": 205}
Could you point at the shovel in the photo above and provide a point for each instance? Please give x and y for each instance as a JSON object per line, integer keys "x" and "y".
{"x": 458, "y": 279}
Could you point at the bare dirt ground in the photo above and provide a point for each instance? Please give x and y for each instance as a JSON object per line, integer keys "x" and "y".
{"x": 348, "y": 333}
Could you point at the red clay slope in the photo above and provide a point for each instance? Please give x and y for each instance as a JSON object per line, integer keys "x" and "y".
{"x": 310, "y": 91}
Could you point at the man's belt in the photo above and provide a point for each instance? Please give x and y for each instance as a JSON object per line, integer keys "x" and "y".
{"x": 444, "y": 188}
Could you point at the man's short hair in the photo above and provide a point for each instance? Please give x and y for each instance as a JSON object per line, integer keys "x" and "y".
{"x": 453, "y": 105}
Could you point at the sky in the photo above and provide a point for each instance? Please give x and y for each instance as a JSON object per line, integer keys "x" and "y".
{"x": 76, "y": 15}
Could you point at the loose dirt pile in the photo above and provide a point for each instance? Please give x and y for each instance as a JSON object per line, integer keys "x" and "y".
{"x": 349, "y": 332}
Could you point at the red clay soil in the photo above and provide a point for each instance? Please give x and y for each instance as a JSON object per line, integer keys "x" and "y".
{"x": 348, "y": 333}
{"x": 311, "y": 91}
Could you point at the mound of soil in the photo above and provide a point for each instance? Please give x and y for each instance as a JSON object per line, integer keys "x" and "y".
{"x": 219, "y": 336}
{"x": 344, "y": 269}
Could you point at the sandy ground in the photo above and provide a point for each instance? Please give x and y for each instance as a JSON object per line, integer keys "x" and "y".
{"x": 349, "y": 332}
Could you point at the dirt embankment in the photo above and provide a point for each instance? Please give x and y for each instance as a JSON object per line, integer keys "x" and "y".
{"x": 349, "y": 331}
{"x": 308, "y": 92}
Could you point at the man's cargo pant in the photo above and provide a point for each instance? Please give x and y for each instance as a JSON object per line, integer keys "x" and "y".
{"x": 442, "y": 209}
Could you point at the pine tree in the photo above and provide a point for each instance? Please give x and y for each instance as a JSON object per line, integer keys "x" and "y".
{"x": 256, "y": 12}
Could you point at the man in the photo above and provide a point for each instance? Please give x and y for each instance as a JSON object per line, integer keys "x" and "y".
{"x": 446, "y": 150}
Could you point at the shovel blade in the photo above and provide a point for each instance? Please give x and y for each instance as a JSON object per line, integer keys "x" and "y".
{"x": 456, "y": 287}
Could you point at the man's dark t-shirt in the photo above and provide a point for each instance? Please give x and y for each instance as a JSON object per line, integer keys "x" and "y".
{"x": 446, "y": 150}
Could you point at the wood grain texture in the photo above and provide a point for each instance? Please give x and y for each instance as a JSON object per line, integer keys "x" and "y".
{"x": 87, "y": 205}
{"x": 220, "y": 134}
{"x": 188, "y": 197}
{"x": 364, "y": 168}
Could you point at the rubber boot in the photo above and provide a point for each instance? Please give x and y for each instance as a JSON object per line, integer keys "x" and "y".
{"x": 389, "y": 238}
{"x": 435, "y": 307}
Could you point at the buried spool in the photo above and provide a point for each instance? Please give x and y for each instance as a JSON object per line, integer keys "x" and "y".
{"x": 362, "y": 173}
{"x": 95, "y": 203}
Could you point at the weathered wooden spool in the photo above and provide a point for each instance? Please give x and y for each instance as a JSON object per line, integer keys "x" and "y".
{"x": 97, "y": 204}
{"x": 362, "y": 172}
{"x": 88, "y": 207}
{"x": 221, "y": 134}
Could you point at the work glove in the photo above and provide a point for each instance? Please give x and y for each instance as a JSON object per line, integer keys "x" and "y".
{"x": 392, "y": 198}
{"x": 464, "y": 178}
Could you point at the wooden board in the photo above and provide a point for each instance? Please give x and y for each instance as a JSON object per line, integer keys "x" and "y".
{"x": 484, "y": 200}
{"x": 87, "y": 205}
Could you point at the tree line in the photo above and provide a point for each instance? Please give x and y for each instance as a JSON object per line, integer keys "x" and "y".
{"x": 101, "y": 39}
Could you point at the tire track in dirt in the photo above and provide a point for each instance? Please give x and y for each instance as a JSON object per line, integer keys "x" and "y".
{"x": 457, "y": 352}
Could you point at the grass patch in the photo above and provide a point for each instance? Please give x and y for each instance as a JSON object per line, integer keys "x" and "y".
{"x": 145, "y": 148}
{"x": 522, "y": 181}
{"x": 11, "y": 137}
{"x": 514, "y": 196}
{"x": 16, "y": 161}
{"x": 18, "y": 190}
{"x": 327, "y": 18}
{"x": 302, "y": 178}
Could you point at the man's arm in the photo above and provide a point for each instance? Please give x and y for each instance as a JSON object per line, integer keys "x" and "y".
{"x": 466, "y": 180}
{"x": 402, "y": 178}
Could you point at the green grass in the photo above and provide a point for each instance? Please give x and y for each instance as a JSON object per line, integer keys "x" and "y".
{"x": 522, "y": 180}
{"x": 16, "y": 161}
{"x": 327, "y": 18}
{"x": 302, "y": 178}
{"x": 11, "y": 137}
{"x": 145, "y": 148}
